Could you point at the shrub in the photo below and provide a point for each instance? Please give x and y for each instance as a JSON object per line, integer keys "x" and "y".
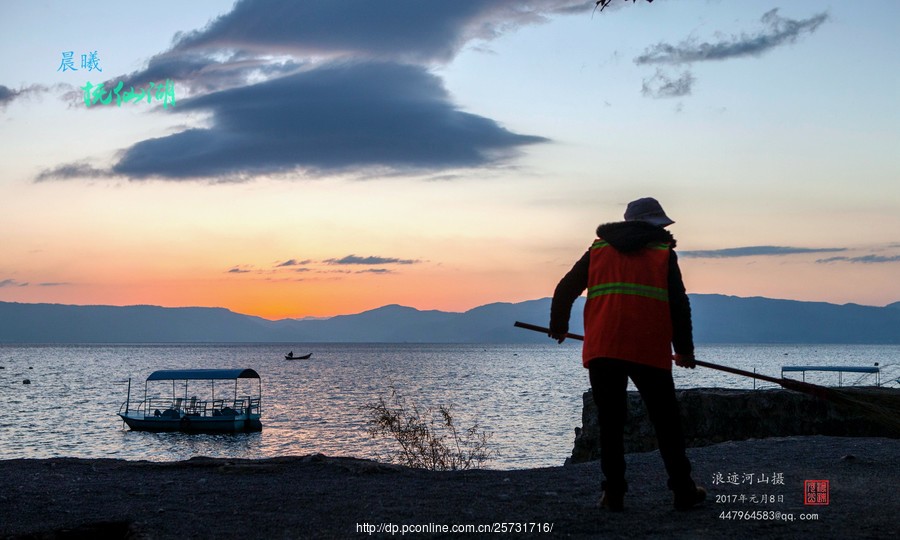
{"x": 429, "y": 439}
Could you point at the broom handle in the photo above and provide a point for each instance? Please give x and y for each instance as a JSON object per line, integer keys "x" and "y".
{"x": 787, "y": 383}
{"x": 544, "y": 330}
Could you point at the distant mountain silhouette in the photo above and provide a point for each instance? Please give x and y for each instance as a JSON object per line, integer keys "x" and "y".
{"x": 717, "y": 319}
{"x": 729, "y": 319}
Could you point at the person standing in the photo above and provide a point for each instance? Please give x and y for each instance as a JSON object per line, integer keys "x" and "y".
{"x": 636, "y": 311}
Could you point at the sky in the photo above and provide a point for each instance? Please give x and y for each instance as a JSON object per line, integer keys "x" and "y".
{"x": 316, "y": 158}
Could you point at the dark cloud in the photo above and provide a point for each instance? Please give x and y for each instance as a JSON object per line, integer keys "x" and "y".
{"x": 371, "y": 260}
{"x": 752, "y": 251}
{"x": 660, "y": 85}
{"x": 72, "y": 170}
{"x": 260, "y": 39}
{"x": 198, "y": 73}
{"x": 865, "y": 259}
{"x": 321, "y": 87}
{"x": 778, "y": 31}
{"x": 293, "y": 262}
{"x": 6, "y": 95}
{"x": 314, "y": 266}
{"x": 15, "y": 283}
{"x": 397, "y": 30}
{"x": 337, "y": 117}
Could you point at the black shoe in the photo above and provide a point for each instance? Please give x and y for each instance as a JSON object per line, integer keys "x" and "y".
{"x": 689, "y": 499}
{"x": 615, "y": 502}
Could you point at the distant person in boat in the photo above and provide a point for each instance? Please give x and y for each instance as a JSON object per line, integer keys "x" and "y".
{"x": 636, "y": 311}
{"x": 291, "y": 354}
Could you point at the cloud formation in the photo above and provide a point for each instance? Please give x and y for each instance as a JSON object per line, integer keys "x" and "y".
{"x": 78, "y": 169}
{"x": 15, "y": 283}
{"x": 370, "y": 264}
{"x": 317, "y": 87}
{"x": 777, "y": 31}
{"x": 293, "y": 262}
{"x": 8, "y": 95}
{"x": 755, "y": 251}
{"x": 409, "y": 31}
{"x": 864, "y": 259}
{"x": 330, "y": 119}
{"x": 660, "y": 85}
{"x": 371, "y": 260}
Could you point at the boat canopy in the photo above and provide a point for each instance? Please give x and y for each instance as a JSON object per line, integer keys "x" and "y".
{"x": 201, "y": 374}
{"x": 851, "y": 369}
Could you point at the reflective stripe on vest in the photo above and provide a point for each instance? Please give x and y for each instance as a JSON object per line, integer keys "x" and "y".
{"x": 655, "y": 293}
{"x": 621, "y": 287}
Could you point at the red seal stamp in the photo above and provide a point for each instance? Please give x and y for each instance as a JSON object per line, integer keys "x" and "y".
{"x": 816, "y": 493}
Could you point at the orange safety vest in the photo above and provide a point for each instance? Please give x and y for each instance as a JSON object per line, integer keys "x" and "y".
{"x": 626, "y": 315}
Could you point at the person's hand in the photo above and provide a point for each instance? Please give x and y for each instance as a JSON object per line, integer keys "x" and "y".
{"x": 559, "y": 337}
{"x": 685, "y": 360}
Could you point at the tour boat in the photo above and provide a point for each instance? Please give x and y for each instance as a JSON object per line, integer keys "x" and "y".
{"x": 229, "y": 402}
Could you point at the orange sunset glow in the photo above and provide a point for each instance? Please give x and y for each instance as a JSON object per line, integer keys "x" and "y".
{"x": 448, "y": 175}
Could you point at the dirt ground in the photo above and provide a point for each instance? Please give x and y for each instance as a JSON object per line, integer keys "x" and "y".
{"x": 756, "y": 488}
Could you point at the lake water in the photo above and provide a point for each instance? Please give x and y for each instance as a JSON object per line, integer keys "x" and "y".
{"x": 527, "y": 396}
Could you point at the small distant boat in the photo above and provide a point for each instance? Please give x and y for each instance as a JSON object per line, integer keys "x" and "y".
{"x": 290, "y": 356}
{"x": 226, "y": 413}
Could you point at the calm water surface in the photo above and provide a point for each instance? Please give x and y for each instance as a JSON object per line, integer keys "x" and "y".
{"x": 527, "y": 396}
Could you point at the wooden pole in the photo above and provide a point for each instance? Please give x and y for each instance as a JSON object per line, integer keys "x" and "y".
{"x": 818, "y": 391}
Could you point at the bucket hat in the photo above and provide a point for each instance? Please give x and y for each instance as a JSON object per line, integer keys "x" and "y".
{"x": 647, "y": 209}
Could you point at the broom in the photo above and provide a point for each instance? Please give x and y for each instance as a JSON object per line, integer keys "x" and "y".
{"x": 886, "y": 411}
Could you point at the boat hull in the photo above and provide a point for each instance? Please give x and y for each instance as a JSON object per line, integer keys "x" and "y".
{"x": 194, "y": 424}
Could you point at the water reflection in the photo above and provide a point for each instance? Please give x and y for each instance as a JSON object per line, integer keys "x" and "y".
{"x": 529, "y": 396}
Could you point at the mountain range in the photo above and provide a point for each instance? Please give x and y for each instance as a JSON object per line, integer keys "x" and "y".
{"x": 717, "y": 319}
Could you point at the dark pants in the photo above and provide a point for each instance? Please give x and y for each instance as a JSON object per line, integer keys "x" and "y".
{"x": 609, "y": 381}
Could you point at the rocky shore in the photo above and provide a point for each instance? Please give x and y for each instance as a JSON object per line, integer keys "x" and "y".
{"x": 714, "y": 415}
{"x": 326, "y": 497}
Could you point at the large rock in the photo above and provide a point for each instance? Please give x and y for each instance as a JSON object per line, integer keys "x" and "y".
{"x": 714, "y": 415}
